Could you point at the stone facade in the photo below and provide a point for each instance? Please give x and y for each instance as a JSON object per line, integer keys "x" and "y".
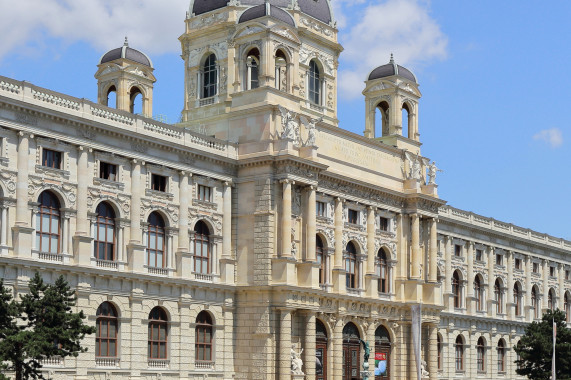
{"x": 257, "y": 224}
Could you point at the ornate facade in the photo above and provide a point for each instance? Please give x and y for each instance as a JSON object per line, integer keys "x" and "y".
{"x": 256, "y": 239}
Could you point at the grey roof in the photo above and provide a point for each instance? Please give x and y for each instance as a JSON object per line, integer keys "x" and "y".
{"x": 128, "y": 53}
{"x": 266, "y": 10}
{"x": 319, "y": 9}
{"x": 391, "y": 69}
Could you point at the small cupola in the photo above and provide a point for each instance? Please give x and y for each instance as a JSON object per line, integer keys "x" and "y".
{"x": 391, "y": 96}
{"x": 128, "y": 74}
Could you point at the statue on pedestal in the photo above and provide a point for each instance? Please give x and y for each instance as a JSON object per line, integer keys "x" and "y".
{"x": 296, "y": 362}
{"x": 432, "y": 170}
{"x": 424, "y": 372}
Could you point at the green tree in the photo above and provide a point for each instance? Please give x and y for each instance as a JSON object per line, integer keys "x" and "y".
{"x": 535, "y": 348}
{"x": 41, "y": 325}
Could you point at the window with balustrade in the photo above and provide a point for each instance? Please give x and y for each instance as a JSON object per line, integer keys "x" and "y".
{"x": 320, "y": 258}
{"x": 383, "y": 271}
{"x": 351, "y": 266}
{"x": 104, "y": 239}
{"x": 209, "y": 76}
{"x": 457, "y": 289}
{"x": 517, "y": 293}
{"x": 156, "y": 241}
{"x": 204, "y": 337}
{"x": 158, "y": 334}
{"x": 479, "y": 293}
{"x": 48, "y": 223}
{"x": 498, "y": 296}
{"x": 202, "y": 249}
{"x": 107, "y": 327}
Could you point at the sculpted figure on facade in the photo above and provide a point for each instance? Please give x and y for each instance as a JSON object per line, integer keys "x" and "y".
{"x": 311, "y": 129}
{"x": 432, "y": 170}
{"x": 414, "y": 166}
{"x": 290, "y": 127}
{"x": 296, "y": 362}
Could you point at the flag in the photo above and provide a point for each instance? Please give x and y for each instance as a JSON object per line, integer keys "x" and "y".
{"x": 553, "y": 359}
{"x": 416, "y": 336}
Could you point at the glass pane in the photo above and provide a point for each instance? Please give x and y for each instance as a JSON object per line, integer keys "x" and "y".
{"x": 38, "y": 239}
{"x": 155, "y": 350}
{"x": 109, "y": 234}
{"x": 112, "y": 330}
{"x": 163, "y": 333}
{"x": 104, "y": 351}
{"x": 160, "y": 242}
{"x": 207, "y": 353}
{"x": 55, "y": 225}
{"x": 200, "y": 353}
{"x": 45, "y": 243}
{"x": 101, "y": 232}
{"x": 159, "y": 262}
{"x": 152, "y": 240}
{"x": 112, "y": 348}
{"x": 45, "y": 223}
{"x": 54, "y": 245}
{"x": 152, "y": 258}
{"x": 163, "y": 351}
{"x": 38, "y": 222}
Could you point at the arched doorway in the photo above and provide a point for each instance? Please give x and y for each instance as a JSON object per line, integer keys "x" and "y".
{"x": 320, "y": 351}
{"x": 382, "y": 354}
{"x": 351, "y": 352}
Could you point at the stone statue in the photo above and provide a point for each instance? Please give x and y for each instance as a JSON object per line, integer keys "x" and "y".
{"x": 296, "y": 362}
{"x": 290, "y": 127}
{"x": 414, "y": 166}
{"x": 424, "y": 373}
{"x": 311, "y": 130}
{"x": 432, "y": 170}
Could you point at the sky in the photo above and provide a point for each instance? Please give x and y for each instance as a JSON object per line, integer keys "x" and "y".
{"x": 494, "y": 77}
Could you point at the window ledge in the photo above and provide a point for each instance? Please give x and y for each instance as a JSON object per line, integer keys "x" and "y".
{"x": 159, "y": 271}
{"x": 204, "y": 365}
{"x": 54, "y": 361}
{"x": 107, "y": 362}
{"x": 353, "y": 226}
{"x": 386, "y": 234}
{"x": 53, "y": 172}
{"x": 205, "y": 204}
{"x": 158, "y": 363}
{"x": 208, "y": 277}
{"x": 159, "y": 194}
{"x": 324, "y": 219}
{"x": 108, "y": 183}
{"x": 207, "y": 101}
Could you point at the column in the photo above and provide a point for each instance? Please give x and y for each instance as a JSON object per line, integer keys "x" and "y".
{"x": 433, "y": 270}
{"x": 22, "y": 213}
{"x": 4, "y": 226}
{"x": 508, "y": 293}
{"x": 544, "y": 304}
{"x": 371, "y": 240}
{"x": 65, "y": 234}
{"x": 401, "y": 246}
{"x": 183, "y": 194}
{"x": 337, "y": 350}
{"x": 448, "y": 263}
{"x": 528, "y": 269}
{"x": 284, "y": 345}
{"x": 433, "y": 351}
{"x": 136, "y": 202}
{"x": 561, "y": 280}
{"x": 338, "y": 258}
{"x": 491, "y": 281}
{"x": 470, "y": 279}
{"x": 309, "y": 349}
{"x": 82, "y": 227}
{"x": 311, "y": 223}
{"x": 227, "y": 221}
{"x": 286, "y": 218}
{"x": 415, "y": 249}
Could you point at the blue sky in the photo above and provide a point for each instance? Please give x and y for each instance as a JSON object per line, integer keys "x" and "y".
{"x": 494, "y": 77}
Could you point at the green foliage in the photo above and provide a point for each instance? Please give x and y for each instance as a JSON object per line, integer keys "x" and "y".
{"x": 535, "y": 348}
{"x": 41, "y": 325}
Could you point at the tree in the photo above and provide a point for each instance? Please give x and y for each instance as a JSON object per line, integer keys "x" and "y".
{"x": 535, "y": 348}
{"x": 40, "y": 326}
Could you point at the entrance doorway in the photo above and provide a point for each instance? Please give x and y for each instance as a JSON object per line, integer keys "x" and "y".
{"x": 351, "y": 353}
{"x": 320, "y": 351}
{"x": 382, "y": 354}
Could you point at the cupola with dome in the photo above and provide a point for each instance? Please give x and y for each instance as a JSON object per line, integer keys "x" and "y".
{"x": 128, "y": 73}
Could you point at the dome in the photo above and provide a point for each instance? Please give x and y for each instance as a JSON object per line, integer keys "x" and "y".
{"x": 128, "y": 53}
{"x": 391, "y": 69}
{"x": 266, "y": 10}
{"x": 318, "y": 9}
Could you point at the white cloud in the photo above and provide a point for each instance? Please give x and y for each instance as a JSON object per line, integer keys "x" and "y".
{"x": 553, "y": 137}
{"x": 152, "y": 26}
{"x": 402, "y": 27}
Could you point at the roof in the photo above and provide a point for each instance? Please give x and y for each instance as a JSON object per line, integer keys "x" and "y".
{"x": 391, "y": 69}
{"x": 128, "y": 53}
{"x": 318, "y": 9}
{"x": 266, "y": 10}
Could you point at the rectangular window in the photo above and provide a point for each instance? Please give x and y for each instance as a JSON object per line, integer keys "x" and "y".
{"x": 383, "y": 224}
{"x": 535, "y": 267}
{"x": 552, "y": 271}
{"x": 158, "y": 182}
{"x": 518, "y": 264}
{"x": 204, "y": 193}
{"x": 479, "y": 255}
{"x": 457, "y": 250}
{"x": 499, "y": 259}
{"x": 567, "y": 275}
{"x": 353, "y": 216}
{"x": 107, "y": 171}
{"x": 320, "y": 209}
{"x": 51, "y": 158}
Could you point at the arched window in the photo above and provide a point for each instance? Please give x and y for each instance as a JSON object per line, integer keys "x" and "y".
{"x": 202, "y": 263}
{"x": 439, "y": 351}
{"x": 382, "y": 353}
{"x": 321, "y": 340}
{"x": 498, "y": 296}
{"x": 481, "y": 355}
{"x": 111, "y": 97}
{"x": 156, "y": 241}
{"x": 382, "y": 118}
{"x": 459, "y": 353}
{"x": 204, "y": 330}
{"x": 104, "y": 239}
{"x": 314, "y": 83}
{"x": 457, "y": 290}
{"x": 136, "y": 101}
{"x": 517, "y": 299}
{"x": 406, "y": 121}
{"x": 106, "y": 331}
{"x": 281, "y": 71}
{"x": 48, "y": 230}
{"x": 551, "y": 299}
{"x": 534, "y": 303}
{"x": 351, "y": 266}
{"x": 209, "y": 77}
{"x": 382, "y": 271}
{"x": 567, "y": 307}
{"x": 320, "y": 258}
{"x": 479, "y": 293}
{"x": 501, "y": 356}
{"x": 158, "y": 334}
{"x": 252, "y": 69}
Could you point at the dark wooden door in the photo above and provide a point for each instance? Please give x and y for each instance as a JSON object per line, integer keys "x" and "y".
{"x": 321, "y": 361}
{"x": 351, "y": 359}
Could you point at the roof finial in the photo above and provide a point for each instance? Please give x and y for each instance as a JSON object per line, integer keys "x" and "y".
{"x": 392, "y": 59}
{"x": 126, "y": 41}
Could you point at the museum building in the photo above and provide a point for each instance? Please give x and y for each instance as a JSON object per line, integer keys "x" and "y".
{"x": 256, "y": 239}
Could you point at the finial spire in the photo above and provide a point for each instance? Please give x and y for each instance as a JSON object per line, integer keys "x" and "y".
{"x": 126, "y": 41}
{"x": 392, "y": 59}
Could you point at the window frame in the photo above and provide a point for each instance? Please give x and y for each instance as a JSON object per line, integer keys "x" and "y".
{"x": 105, "y": 222}
{"x": 52, "y": 214}
{"x": 321, "y": 209}
{"x": 383, "y": 272}
{"x": 481, "y": 356}
{"x": 202, "y": 239}
{"x": 352, "y": 216}
{"x": 157, "y": 231}
{"x": 105, "y": 173}
{"x": 108, "y": 320}
{"x": 209, "y": 69}
{"x": 459, "y": 354}
{"x": 159, "y": 182}
{"x": 202, "y": 326}
{"x": 320, "y": 257}
{"x": 315, "y": 83}
{"x": 204, "y": 193}
{"x": 501, "y": 360}
{"x": 52, "y": 158}
{"x": 159, "y": 323}
{"x": 351, "y": 270}
{"x": 457, "y": 290}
